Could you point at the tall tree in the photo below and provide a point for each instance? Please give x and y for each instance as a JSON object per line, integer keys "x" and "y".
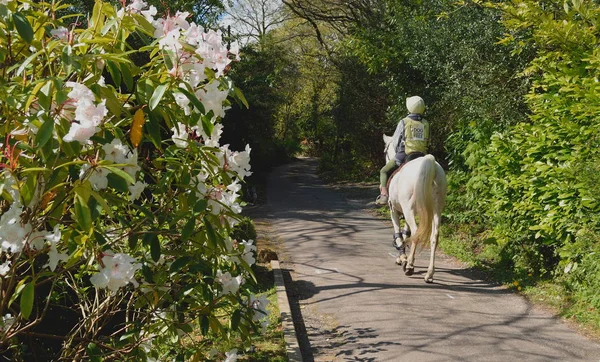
{"x": 251, "y": 20}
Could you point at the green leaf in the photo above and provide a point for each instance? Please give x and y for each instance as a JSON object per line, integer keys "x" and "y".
{"x": 240, "y": 96}
{"x": 200, "y": 206}
{"x": 152, "y": 127}
{"x": 117, "y": 183}
{"x": 188, "y": 229}
{"x": 114, "y": 72}
{"x": 185, "y": 327}
{"x": 44, "y": 133}
{"x": 204, "y": 324}
{"x": 83, "y": 213}
{"x": 211, "y": 234}
{"x": 155, "y": 248}
{"x": 132, "y": 241}
{"x": 127, "y": 77}
{"x": 27, "y": 299}
{"x": 122, "y": 174}
{"x": 235, "y": 319}
{"x": 195, "y": 101}
{"x": 23, "y": 27}
{"x": 94, "y": 352}
{"x": 179, "y": 263}
{"x": 157, "y": 96}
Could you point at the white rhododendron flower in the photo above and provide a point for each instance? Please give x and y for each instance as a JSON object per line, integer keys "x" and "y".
{"x": 239, "y": 162}
{"x": 53, "y": 255}
{"x": 88, "y": 114}
{"x": 212, "y": 98}
{"x": 180, "y": 135}
{"x": 60, "y": 33}
{"x": 136, "y": 190}
{"x": 14, "y": 233}
{"x": 120, "y": 153}
{"x": 116, "y": 151}
{"x": 4, "y": 268}
{"x": 80, "y": 92}
{"x": 231, "y": 356}
{"x": 183, "y": 102}
{"x": 211, "y": 140}
{"x": 118, "y": 271}
{"x": 230, "y": 284}
{"x": 136, "y": 6}
{"x": 249, "y": 252}
{"x": 150, "y": 13}
{"x": 98, "y": 176}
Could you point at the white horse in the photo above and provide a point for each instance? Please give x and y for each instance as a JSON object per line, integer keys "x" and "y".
{"x": 420, "y": 186}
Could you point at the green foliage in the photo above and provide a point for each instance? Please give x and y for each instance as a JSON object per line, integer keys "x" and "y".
{"x": 531, "y": 179}
{"x": 244, "y": 230}
{"x": 260, "y": 76}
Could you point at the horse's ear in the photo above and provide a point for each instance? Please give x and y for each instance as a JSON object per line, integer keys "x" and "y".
{"x": 386, "y": 139}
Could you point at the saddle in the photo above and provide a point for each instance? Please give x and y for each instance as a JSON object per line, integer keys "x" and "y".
{"x": 409, "y": 157}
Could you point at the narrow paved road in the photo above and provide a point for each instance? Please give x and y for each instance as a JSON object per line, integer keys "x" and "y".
{"x": 357, "y": 305}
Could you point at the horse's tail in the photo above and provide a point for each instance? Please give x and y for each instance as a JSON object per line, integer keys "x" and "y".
{"x": 423, "y": 194}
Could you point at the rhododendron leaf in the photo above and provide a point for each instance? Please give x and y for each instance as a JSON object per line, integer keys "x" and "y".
{"x": 102, "y": 201}
{"x": 240, "y": 96}
{"x": 136, "y": 127}
{"x": 153, "y": 129}
{"x": 157, "y": 95}
{"x": 117, "y": 183}
{"x": 195, "y": 101}
{"x": 204, "y": 324}
{"x": 127, "y": 76}
{"x": 188, "y": 229}
{"x": 132, "y": 241}
{"x": 45, "y": 132}
{"x": 210, "y": 234}
{"x": 23, "y": 27}
{"x": 32, "y": 95}
{"x": 200, "y": 206}
{"x": 155, "y": 248}
{"x": 26, "y": 302}
{"x": 83, "y": 214}
{"x": 179, "y": 263}
{"x": 185, "y": 327}
{"x": 114, "y": 72}
{"x": 235, "y": 320}
{"x": 122, "y": 174}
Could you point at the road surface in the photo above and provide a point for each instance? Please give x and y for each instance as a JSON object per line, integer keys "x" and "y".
{"x": 352, "y": 303}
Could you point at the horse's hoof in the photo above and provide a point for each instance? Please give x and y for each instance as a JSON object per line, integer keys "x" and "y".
{"x": 409, "y": 271}
{"x": 404, "y": 263}
{"x": 428, "y": 280}
{"x": 398, "y": 261}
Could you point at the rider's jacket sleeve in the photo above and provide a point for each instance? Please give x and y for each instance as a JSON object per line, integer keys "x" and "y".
{"x": 397, "y": 138}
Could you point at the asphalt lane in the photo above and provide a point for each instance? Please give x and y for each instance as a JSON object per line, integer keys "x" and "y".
{"x": 354, "y": 303}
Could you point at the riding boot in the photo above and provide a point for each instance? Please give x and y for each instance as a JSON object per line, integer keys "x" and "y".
{"x": 382, "y": 199}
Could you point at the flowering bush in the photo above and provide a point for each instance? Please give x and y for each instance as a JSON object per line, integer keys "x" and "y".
{"x": 117, "y": 198}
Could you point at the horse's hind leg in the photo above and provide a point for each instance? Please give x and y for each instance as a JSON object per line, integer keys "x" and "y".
{"x": 412, "y": 225}
{"x": 433, "y": 241}
{"x": 398, "y": 242}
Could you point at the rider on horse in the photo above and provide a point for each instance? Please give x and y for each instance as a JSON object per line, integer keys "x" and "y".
{"x": 410, "y": 141}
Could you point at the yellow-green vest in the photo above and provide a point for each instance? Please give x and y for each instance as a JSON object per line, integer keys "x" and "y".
{"x": 416, "y": 135}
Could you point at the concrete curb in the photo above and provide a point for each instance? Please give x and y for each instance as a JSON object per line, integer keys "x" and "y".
{"x": 289, "y": 333}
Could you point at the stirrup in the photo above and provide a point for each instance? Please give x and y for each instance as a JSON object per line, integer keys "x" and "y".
{"x": 381, "y": 200}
